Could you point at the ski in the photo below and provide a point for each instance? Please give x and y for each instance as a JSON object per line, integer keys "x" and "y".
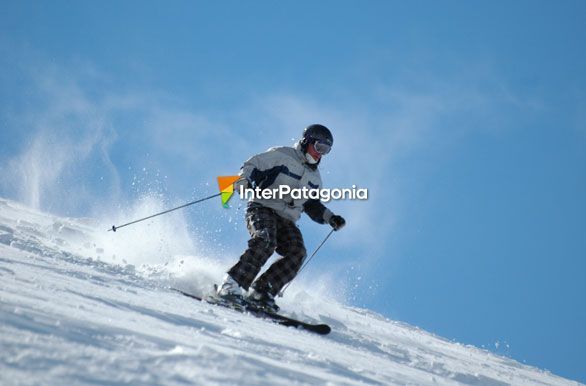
{"x": 321, "y": 329}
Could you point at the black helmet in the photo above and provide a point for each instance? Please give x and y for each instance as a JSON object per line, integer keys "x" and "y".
{"x": 317, "y": 134}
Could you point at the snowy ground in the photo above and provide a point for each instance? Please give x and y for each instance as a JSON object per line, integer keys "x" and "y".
{"x": 70, "y": 315}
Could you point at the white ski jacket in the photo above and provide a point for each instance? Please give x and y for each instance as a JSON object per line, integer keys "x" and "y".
{"x": 286, "y": 166}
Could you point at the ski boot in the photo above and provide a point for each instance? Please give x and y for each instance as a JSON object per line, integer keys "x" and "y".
{"x": 230, "y": 293}
{"x": 262, "y": 299}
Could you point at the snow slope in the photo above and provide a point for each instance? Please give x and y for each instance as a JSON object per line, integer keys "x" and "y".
{"x": 74, "y": 310}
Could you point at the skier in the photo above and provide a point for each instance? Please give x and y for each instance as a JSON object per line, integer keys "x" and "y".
{"x": 271, "y": 222}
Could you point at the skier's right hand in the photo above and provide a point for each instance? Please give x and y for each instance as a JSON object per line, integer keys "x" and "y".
{"x": 242, "y": 182}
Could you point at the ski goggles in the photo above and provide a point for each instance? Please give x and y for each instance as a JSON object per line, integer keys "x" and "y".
{"x": 322, "y": 147}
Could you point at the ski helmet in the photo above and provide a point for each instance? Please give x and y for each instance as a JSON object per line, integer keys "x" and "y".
{"x": 320, "y": 136}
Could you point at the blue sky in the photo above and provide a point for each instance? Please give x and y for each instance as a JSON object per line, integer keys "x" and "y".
{"x": 465, "y": 120}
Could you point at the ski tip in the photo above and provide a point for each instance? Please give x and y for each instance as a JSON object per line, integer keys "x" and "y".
{"x": 322, "y": 329}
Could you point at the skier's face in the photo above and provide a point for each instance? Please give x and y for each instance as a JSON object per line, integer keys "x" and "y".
{"x": 322, "y": 148}
{"x": 313, "y": 153}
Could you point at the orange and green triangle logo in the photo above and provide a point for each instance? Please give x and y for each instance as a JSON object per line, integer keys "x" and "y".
{"x": 226, "y": 184}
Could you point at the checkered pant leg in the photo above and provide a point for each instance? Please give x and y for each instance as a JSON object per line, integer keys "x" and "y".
{"x": 262, "y": 226}
{"x": 292, "y": 249}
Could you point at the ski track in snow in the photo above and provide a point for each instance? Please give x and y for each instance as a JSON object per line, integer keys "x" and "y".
{"x": 69, "y": 318}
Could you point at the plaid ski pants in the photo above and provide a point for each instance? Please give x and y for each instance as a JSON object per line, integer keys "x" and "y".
{"x": 269, "y": 233}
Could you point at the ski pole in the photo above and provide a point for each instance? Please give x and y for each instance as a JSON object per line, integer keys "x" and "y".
{"x": 115, "y": 228}
{"x": 308, "y": 260}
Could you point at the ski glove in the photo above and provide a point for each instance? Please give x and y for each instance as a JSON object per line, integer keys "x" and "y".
{"x": 337, "y": 222}
{"x": 242, "y": 182}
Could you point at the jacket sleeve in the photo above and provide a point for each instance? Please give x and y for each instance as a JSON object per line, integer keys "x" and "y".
{"x": 254, "y": 162}
{"x": 317, "y": 211}
{"x": 262, "y": 169}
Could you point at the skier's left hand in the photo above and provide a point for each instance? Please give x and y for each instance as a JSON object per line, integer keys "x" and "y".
{"x": 337, "y": 222}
